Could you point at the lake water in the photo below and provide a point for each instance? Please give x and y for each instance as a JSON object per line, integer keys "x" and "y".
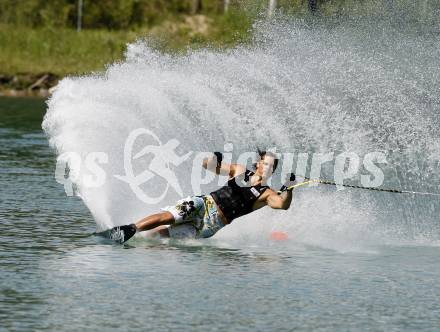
{"x": 55, "y": 275}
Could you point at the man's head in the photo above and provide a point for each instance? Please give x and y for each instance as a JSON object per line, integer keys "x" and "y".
{"x": 267, "y": 164}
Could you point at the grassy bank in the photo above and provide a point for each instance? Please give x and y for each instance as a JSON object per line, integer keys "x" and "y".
{"x": 64, "y": 51}
{"x": 32, "y": 60}
{"x": 39, "y": 45}
{"x": 60, "y": 51}
{"x": 38, "y": 36}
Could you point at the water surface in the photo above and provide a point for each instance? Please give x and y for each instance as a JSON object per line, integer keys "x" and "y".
{"x": 55, "y": 275}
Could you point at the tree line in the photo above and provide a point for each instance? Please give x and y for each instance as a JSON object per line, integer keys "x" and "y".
{"x": 123, "y": 14}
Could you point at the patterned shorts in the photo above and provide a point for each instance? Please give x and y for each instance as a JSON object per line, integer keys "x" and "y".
{"x": 195, "y": 217}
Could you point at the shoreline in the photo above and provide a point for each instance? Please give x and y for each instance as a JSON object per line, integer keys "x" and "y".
{"x": 36, "y": 72}
{"x": 28, "y": 85}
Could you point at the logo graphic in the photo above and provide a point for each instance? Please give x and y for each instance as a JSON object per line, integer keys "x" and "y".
{"x": 255, "y": 192}
{"x": 163, "y": 156}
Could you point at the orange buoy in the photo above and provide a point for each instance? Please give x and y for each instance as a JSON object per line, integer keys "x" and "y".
{"x": 278, "y": 236}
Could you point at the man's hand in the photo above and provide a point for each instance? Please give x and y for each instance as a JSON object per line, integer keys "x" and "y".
{"x": 279, "y": 201}
{"x": 289, "y": 182}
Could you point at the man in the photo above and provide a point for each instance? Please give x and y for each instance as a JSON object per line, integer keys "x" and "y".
{"x": 203, "y": 216}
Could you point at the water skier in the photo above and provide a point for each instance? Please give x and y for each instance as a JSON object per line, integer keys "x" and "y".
{"x": 203, "y": 216}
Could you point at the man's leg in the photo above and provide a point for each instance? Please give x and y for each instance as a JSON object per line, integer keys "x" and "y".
{"x": 122, "y": 234}
{"x": 158, "y": 223}
{"x": 161, "y": 232}
{"x": 155, "y": 220}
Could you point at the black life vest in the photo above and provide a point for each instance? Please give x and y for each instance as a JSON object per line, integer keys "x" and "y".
{"x": 235, "y": 199}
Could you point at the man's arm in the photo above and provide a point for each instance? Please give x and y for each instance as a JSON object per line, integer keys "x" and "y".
{"x": 225, "y": 169}
{"x": 281, "y": 201}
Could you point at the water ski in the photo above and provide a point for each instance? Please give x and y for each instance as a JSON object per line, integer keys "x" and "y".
{"x": 119, "y": 234}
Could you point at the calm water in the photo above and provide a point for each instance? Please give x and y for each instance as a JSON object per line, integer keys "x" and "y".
{"x": 56, "y": 275}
